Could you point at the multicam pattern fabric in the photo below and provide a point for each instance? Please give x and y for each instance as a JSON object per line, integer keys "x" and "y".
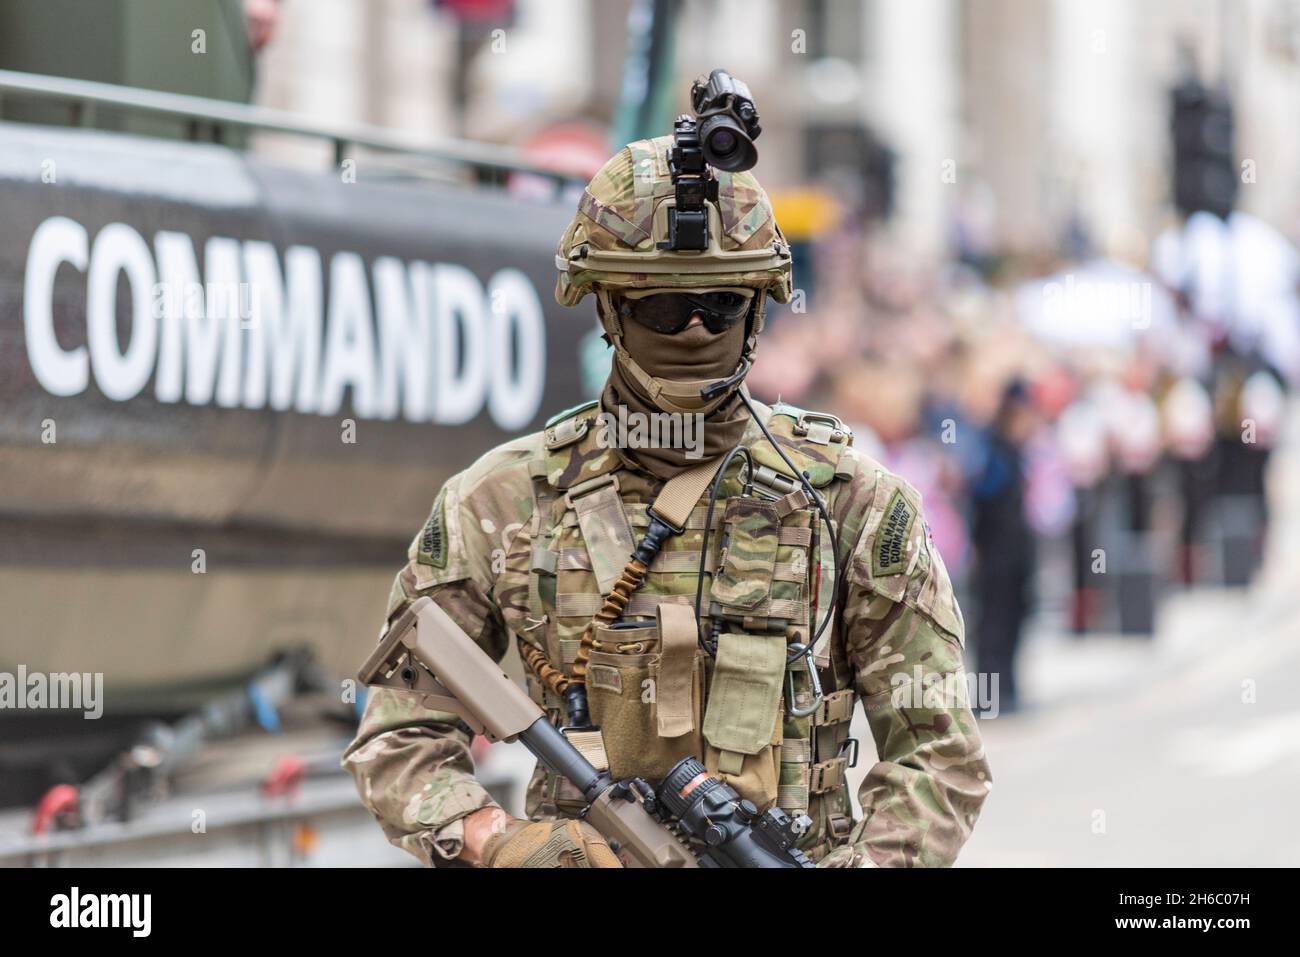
{"x": 743, "y": 204}
{"x": 817, "y": 462}
{"x": 517, "y": 567}
{"x": 616, "y": 214}
{"x": 748, "y": 558}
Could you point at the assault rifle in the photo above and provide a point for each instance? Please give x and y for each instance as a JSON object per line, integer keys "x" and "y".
{"x": 425, "y": 651}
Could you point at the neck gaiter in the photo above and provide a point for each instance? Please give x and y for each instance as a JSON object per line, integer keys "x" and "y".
{"x": 676, "y": 444}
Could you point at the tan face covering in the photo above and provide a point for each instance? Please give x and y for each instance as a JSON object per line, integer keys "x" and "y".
{"x": 693, "y": 353}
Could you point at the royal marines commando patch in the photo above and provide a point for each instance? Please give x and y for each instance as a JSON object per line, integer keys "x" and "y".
{"x": 432, "y": 549}
{"x": 889, "y": 552}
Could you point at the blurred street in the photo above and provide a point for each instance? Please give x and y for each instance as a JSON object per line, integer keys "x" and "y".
{"x": 1155, "y": 760}
{"x": 1181, "y": 751}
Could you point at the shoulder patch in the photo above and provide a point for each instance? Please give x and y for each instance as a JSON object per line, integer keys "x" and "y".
{"x": 432, "y": 547}
{"x": 889, "y": 550}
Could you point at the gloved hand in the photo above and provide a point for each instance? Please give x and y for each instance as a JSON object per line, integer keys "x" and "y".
{"x": 548, "y": 844}
{"x": 846, "y": 856}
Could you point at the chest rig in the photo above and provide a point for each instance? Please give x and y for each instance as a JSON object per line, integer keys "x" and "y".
{"x": 654, "y": 694}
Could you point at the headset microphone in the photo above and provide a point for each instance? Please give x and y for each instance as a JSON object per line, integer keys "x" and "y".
{"x": 715, "y": 389}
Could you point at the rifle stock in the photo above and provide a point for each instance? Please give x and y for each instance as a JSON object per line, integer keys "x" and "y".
{"x": 426, "y": 652}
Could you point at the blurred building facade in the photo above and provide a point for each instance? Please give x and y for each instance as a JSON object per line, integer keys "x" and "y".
{"x": 1006, "y": 108}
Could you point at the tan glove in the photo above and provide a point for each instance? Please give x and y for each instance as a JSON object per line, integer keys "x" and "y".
{"x": 548, "y": 844}
{"x": 846, "y": 856}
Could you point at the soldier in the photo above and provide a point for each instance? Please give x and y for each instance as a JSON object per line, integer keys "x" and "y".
{"x": 751, "y": 663}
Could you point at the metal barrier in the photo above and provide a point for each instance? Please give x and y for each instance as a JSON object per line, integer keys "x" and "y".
{"x": 197, "y": 112}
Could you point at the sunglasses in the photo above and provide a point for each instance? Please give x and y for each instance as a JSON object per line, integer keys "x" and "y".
{"x": 670, "y": 312}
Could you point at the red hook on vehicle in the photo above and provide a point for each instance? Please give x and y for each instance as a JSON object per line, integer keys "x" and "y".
{"x": 60, "y": 801}
{"x": 286, "y": 777}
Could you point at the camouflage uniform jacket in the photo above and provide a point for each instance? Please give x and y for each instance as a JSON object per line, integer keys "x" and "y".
{"x": 502, "y": 551}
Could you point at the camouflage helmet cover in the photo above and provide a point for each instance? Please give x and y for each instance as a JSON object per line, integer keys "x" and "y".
{"x": 612, "y": 241}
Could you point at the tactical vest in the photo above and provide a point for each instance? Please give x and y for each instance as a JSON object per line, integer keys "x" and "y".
{"x": 656, "y": 696}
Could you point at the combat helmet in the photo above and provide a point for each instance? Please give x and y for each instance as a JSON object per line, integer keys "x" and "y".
{"x": 617, "y": 242}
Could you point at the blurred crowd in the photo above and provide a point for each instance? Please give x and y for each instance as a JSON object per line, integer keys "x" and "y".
{"x": 1115, "y": 409}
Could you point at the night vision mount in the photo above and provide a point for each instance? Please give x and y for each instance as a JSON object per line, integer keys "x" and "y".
{"x": 720, "y": 135}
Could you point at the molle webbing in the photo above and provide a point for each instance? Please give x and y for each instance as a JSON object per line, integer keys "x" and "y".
{"x": 579, "y": 559}
{"x": 802, "y": 778}
{"x": 638, "y": 517}
{"x": 674, "y": 504}
{"x": 574, "y": 604}
{"x": 537, "y": 659}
